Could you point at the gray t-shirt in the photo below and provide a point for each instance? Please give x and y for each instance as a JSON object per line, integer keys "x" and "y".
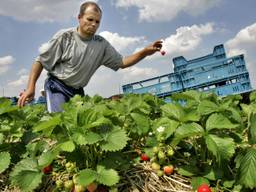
{"x": 74, "y": 60}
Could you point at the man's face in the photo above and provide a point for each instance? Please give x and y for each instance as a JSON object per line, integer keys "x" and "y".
{"x": 89, "y": 22}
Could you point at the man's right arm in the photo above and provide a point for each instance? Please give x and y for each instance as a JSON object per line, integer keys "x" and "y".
{"x": 30, "y": 91}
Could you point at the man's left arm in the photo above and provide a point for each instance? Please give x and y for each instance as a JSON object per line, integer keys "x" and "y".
{"x": 136, "y": 57}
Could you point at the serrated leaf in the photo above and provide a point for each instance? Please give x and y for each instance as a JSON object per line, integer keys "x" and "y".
{"x": 197, "y": 181}
{"x": 28, "y": 180}
{"x": 212, "y": 173}
{"x": 5, "y": 159}
{"x": 247, "y": 169}
{"x": 47, "y": 158}
{"x": 222, "y": 148}
{"x": 67, "y": 146}
{"x": 169, "y": 126}
{"x": 142, "y": 123}
{"x": 219, "y": 121}
{"x": 207, "y": 107}
{"x": 188, "y": 95}
{"x": 86, "y": 176}
{"x": 49, "y": 125}
{"x": 190, "y": 116}
{"x": 114, "y": 140}
{"x": 91, "y": 138}
{"x": 187, "y": 130}
{"x": 98, "y": 122}
{"x": 252, "y": 129}
{"x": 107, "y": 177}
{"x": 173, "y": 111}
{"x": 79, "y": 138}
{"x": 24, "y": 164}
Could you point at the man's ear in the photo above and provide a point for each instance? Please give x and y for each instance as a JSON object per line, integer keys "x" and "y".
{"x": 79, "y": 16}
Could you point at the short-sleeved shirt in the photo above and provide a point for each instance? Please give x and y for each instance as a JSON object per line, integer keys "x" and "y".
{"x": 73, "y": 59}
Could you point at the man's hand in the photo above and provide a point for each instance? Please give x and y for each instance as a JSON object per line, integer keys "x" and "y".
{"x": 151, "y": 49}
{"x": 136, "y": 57}
{"x": 27, "y": 96}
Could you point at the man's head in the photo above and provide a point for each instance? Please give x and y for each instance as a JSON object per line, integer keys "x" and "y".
{"x": 89, "y": 19}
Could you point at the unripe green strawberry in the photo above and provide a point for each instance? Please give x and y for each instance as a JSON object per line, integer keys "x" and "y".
{"x": 161, "y": 155}
{"x": 68, "y": 184}
{"x": 155, "y": 149}
{"x": 160, "y": 173}
{"x": 155, "y": 166}
{"x": 170, "y": 152}
{"x": 59, "y": 183}
{"x": 79, "y": 188}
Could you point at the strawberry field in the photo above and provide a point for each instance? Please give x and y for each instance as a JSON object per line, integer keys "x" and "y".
{"x": 196, "y": 142}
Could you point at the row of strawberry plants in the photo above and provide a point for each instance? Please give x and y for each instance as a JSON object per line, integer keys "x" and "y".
{"x": 204, "y": 137}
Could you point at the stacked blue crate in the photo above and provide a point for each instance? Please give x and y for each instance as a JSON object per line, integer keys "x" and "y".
{"x": 211, "y": 73}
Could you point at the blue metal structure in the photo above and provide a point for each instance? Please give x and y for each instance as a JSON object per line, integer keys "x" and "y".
{"x": 211, "y": 73}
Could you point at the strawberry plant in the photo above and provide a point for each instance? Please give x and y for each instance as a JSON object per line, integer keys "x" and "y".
{"x": 95, "y": 141}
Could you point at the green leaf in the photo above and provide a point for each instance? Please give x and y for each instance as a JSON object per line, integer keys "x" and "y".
{"x": 24, "y": 164}
{"x": 173, "y": 111}
{"x": 252, "y": 129}
{"x": 219, "y": 121}
{"x": 188, "y": 170}
{"x": 107, "y": 177}
{"x": 188, "y": 95}
{"x": 191, "y": 115}
{"x": 92, "y": 138}
{"x": 247, "y": 169}
{"x": 47, "y": 157}
{"x": 28, "y": 180}
{"x": 114, "y": 140}
{"x": 187, "y": 130}
{"x": 6, "y": 107}
{"x": 197, "y": 181}
{"x": 169, "y": 126}
{"x": 1, "y": 138}
{"x": 98, "y": 122}
{"x": 207, "y": 107}
{"x": 86, "y": 176}
{"x": 222, "y": 148}
{"x": 68, "y": 146}
{"x": 79, "y": 138}
{"x": 49, "y": 125}
{"x": 26, "y": 174}
{"x": 142, "y": 123}
{"x": 5, "y": 159}
{"x": 212, "y": 172}
{"x": 253, "y": 96}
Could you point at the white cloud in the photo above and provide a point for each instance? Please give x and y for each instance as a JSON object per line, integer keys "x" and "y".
{"x": 136, "y": 73}
{"x": 245, "y": 38}
{"x": 18, "y": 85}
{"x": 20, "y": 82}
{"x": 23, "y": 71}
{"x": 166, "y": 10}
{"x": 5, "y": 63}
{"x": 121, "y": 43}
{"x": 244, "y": 42}
{"x": 185, "y": 40}
{"x": 40, "y": 10}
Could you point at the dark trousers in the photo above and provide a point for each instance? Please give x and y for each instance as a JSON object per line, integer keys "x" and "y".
{"x": 58, "y": 93}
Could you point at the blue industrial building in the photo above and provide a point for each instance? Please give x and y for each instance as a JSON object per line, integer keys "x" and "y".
{"x": 214, "y": 72}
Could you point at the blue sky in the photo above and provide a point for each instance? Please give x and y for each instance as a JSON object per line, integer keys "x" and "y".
{"x": 187, "y": 27}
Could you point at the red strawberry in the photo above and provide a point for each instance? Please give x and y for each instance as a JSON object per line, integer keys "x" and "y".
{"x": 144, "y": 157}
{"x": 47, "y": 169}
{"x": 163, "y": 53}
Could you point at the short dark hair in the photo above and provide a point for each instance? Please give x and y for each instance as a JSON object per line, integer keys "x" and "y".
{"x": 85, "y": 5}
